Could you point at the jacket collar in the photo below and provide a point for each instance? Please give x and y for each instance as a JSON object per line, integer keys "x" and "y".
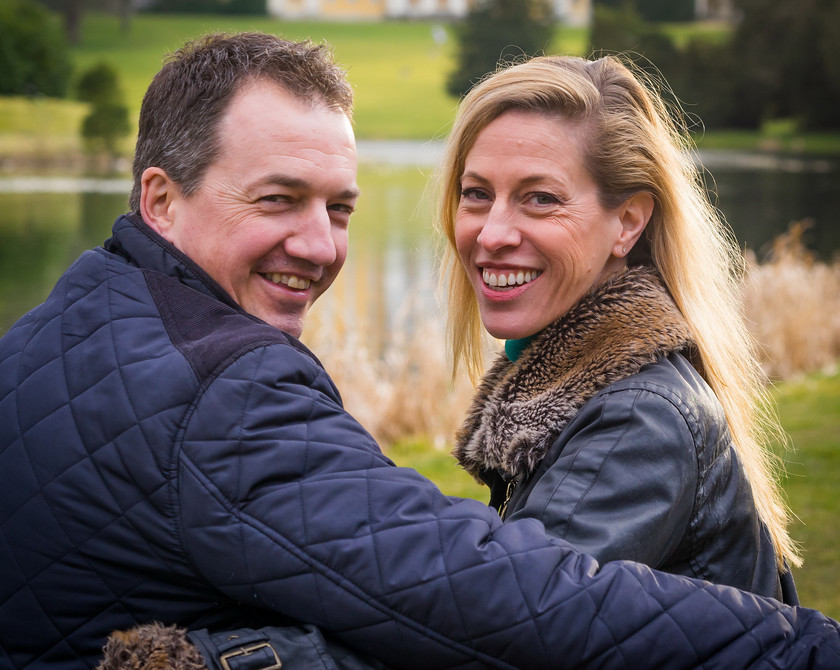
{"x": 519, "y": 408}
{"x": 134, "y": 240}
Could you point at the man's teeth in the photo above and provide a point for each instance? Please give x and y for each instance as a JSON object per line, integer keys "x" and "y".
{"x": 289, "y": 280}
{"x": 509, "y": 279}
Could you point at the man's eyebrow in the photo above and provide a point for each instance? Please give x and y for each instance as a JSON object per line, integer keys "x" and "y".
{"x": 350, "y": 193}
{"x": 297, "y": 183}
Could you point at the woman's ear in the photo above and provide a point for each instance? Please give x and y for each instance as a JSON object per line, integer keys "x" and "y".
{"x": 157, "y": 195}
{"x": 634, "y": 215}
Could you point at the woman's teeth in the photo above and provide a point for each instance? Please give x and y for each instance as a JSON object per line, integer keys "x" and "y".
{"x": 289, "y": 280}
{"x": 509, "y": 279}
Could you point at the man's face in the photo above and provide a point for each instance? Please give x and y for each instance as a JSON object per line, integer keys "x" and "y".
{"x": 269, "y": 221}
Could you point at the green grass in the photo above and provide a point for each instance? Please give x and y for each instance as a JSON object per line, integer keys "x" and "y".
{"x": 439, "y": 466}
{"x": 397, "y": 68}
{"x": 770, "y": 138}
{"x": 810, "y": 413}
{"x": 715, "y": 32}
{"x": 40, "y": 126}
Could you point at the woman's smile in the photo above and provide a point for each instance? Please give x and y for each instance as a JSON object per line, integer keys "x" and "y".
{"x": 506, "y": 279}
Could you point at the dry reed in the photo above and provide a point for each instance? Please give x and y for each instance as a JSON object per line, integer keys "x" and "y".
{"x": 399, "y": 386}
{"x": 792, "y": 306}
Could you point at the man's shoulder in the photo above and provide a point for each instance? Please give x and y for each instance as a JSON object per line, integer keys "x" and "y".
{"x": 209, "y": 333}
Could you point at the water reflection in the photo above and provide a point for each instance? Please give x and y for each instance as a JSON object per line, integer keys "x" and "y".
{"x": 760, "y": 203}
{"x": 46, "y": 224}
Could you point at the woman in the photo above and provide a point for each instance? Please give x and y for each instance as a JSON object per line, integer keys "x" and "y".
{"x": 623, "y": 413}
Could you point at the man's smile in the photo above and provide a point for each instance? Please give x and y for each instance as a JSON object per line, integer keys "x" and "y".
{"x": 290, "y": 280}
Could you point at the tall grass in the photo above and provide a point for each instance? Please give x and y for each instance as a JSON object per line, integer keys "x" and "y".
{"x": 792, "y": 302}
{"x": 400, "y": 387}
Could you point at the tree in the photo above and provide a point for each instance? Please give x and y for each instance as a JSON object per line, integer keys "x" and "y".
{"x": 107, "y": 120}
{"x": 496, "y": 30}
{"x": 34, "y": 59}
{"x": 654, "y": 10}
{"x": 781, "y": 62}
{"x": 242, "y": 7}
{"x": 790, "y": 50}
{"x": 622, "y": 30}
{"x": 73, "y": 11}
{"x": 73, "y": 20}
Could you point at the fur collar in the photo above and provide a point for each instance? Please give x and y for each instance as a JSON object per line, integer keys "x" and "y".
{"x": 519, "y": 408}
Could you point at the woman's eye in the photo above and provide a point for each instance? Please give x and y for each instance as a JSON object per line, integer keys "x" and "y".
{"x": 543, "y": 199}
{"x": 473, "y": 194}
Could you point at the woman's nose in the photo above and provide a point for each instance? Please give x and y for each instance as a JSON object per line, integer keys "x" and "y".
{"x": 499, "y": 230}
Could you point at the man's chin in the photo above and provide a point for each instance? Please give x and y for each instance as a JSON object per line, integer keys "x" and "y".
{"x": 289, "y": 323}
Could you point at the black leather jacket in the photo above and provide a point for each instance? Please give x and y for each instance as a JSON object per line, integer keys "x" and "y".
{"x": 646, "y": 472}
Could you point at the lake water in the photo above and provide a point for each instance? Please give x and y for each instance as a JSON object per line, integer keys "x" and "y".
{"x": 45, "y": 223}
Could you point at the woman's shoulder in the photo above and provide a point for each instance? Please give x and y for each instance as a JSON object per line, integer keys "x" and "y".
{"x": 675, "y": 379}
{"x": 671, "y": 389}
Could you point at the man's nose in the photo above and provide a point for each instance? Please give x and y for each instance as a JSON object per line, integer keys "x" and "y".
{"x": 499, "y": 230}
{"x": 313, "y": 240}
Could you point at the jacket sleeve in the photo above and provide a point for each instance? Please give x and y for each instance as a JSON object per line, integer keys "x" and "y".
{"x": 620, "y": 481}
{"x": 288, "y": 505}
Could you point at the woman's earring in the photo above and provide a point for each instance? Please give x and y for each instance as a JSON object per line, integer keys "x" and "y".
{"x": 624, "y": 250}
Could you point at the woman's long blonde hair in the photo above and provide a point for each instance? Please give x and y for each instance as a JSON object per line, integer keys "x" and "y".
{"x": 634, "y": 145}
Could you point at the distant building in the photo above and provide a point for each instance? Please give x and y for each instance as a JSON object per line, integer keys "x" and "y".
{"x": 570, "y": 12}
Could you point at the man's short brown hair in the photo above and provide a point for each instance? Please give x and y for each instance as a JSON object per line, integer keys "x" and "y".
{"x": 187, "y": 98}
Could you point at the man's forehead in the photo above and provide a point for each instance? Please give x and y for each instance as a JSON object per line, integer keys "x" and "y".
{"x": 268, "y": 130}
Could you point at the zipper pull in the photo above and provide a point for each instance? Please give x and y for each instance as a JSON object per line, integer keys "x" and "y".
{"x": 511, "y": 487}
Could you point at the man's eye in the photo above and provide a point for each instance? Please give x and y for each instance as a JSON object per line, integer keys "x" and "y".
{"x": 275, "y": 197}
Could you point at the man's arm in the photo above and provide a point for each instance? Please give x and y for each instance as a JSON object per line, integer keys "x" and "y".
{"x": 288, "y": 505}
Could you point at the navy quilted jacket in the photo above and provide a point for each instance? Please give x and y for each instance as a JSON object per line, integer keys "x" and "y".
{"x": 165, "y": 456}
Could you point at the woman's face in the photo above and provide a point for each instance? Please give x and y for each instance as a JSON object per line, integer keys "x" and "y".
{"x": 529, "y": 229}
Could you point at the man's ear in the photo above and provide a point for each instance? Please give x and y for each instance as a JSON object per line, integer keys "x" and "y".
{"x": 157, "y": 196}
{"x": 634, "y": 215}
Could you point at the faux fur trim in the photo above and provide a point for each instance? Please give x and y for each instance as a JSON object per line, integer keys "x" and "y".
{"x": 519, "y": 408}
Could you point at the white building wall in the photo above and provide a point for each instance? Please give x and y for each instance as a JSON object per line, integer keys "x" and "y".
{"x": 294, "y": 9}
{"x": 571, "y": 12}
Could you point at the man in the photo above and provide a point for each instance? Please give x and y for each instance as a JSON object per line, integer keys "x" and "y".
{"x": 170, "y": 451}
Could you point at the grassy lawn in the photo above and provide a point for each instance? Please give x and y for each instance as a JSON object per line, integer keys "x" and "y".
{"x": 398, "y": 69}
{"x": 810, "y": 412}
